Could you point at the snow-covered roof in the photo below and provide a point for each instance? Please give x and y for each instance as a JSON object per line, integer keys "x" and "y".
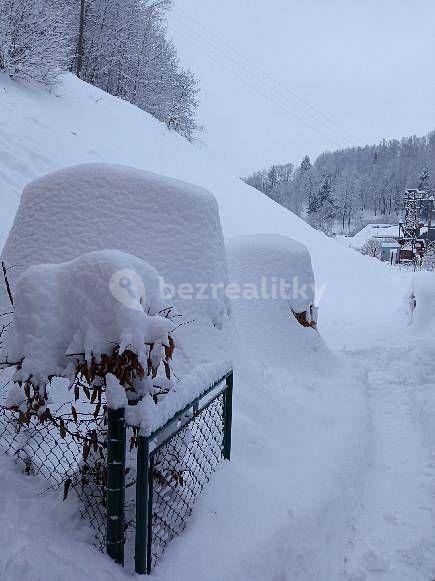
{"x": 373, "y": 231}
{"x": 390, "y": 245}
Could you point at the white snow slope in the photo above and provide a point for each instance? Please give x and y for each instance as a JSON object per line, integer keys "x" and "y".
{"x": 331, "y": 475}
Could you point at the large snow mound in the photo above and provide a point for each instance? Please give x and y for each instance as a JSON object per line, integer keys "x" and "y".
{"x": 278, "y": 259}
{"x": 78, "y": 307}
{"x": 173, "y": 225}
{"x": 275, "y": 274}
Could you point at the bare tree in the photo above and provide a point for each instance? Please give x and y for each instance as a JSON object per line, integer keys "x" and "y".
{"x": 372, "y": 248}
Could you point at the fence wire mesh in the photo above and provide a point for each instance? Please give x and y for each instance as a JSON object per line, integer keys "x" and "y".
{"x": 180, "y": 468}
{"x": 181, "y": 461}
{"x": 40, "y": 450}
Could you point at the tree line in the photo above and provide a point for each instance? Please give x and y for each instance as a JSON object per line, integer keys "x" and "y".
{"x": 344, "y": 190}
{"x": 119, "y": 46}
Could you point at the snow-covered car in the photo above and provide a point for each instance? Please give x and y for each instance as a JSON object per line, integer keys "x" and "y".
{"x": 275, "y": 311}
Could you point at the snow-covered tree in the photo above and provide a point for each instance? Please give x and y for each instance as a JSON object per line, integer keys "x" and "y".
{"x": 306, "y": 164}
{"x": 372, "y": 248}
{"x": 276, "y": 182}
{"x": 368, "y": 182}
{"x": 121, "y": 47}
{"x": 321, "y": 207}
{"x": 273, "y": 177}
{"x": 304, "y": 186}
{"x": 33, "y": 44}
{"x": 428, "y": 262}
{"x": 424, "y": 182}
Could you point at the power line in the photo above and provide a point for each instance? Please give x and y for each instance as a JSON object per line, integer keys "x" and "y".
{"x": 284, "y": 91}
{"x": 268, "y": 97}
{"x": 268, "y": 75}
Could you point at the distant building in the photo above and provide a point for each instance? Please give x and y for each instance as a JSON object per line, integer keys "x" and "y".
{"x": 390, "y": 252}
{"x": 382, "y": 232}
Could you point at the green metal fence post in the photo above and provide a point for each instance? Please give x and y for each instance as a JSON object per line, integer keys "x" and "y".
{"x": 150, "y": 516}
{"x": 228, "y": 416}
{"x": 115, "y": 484}
{"x": 142, "y": 506}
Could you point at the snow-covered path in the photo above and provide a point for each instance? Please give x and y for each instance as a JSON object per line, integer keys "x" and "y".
{"x": 393, "y": 536}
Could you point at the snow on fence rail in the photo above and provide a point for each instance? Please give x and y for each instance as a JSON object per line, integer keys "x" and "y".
{"x": 144, "y": 496}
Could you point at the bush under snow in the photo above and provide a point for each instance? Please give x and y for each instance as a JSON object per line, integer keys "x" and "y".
{"x": 67, "y": 310}
{"x": 74, "y": 320}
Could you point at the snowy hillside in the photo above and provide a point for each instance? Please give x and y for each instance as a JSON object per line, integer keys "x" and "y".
{"x": 288, "y": 506}
{"x": 77, "y": 123}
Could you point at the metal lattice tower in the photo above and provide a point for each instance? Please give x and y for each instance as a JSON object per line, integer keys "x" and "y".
{"x": 410, "y": 226}
{"x": 419, "y": 210}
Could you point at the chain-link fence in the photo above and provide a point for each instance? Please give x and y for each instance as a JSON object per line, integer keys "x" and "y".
{"x": 40, "y": 450}
{"x": 160, "y": 479}
{"x": 180, "y": 469}
{"x": 174, "y": 464}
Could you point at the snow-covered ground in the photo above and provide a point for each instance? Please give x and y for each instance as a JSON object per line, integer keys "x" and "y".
{"x": 393, "y": 530}
{"x": 332, "y": 474}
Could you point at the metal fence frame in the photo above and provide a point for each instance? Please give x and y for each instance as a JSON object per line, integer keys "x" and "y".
{"x": 206, "y": 419}
{"x": 148, "y": 447}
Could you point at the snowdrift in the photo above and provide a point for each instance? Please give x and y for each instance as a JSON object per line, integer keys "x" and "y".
{"x": 100, "y": 206}
{"x": 277, "y": 273}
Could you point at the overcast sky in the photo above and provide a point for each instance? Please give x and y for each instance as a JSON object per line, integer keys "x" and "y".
{"x": 282, "y": 78}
